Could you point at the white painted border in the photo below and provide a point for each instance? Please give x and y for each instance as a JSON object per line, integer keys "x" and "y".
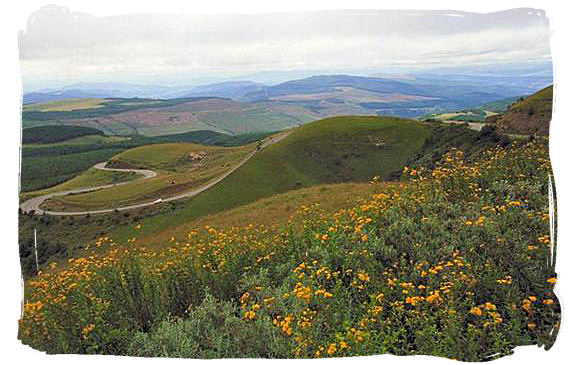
{"x": 14, "y": 18}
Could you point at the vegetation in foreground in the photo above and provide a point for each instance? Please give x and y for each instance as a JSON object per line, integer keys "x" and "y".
{"x": 457, "y": 262}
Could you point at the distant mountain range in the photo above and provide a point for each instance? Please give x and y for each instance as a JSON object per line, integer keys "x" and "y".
{"x": 413, "y": 96}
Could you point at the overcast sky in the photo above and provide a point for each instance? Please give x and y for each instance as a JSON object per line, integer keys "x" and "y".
{"x": 59, "y": 46}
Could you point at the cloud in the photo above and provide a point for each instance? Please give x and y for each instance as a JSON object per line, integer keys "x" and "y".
{"x": 59, "y": 44}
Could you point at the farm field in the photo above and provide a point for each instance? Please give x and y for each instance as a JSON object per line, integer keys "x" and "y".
{"x": 150, "y": 117}
{"x": 66, "y": 105}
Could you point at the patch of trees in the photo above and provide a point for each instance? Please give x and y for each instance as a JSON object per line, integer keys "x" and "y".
{"x": 56, "y": 133}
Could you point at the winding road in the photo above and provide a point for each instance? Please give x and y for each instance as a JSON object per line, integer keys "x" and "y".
{"x": 34, "y": 204}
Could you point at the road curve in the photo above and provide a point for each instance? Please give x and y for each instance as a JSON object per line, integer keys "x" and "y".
{"x": 33, "y": 204}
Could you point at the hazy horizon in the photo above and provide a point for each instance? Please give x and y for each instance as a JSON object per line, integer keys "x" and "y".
{"x": 60, "y": 47}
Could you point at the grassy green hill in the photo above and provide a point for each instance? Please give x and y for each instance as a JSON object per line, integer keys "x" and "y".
{"x": 180, "y": 167}
{"x": 455, "y": 262}
{"x": 330, "y": 151}
{"x": 333, "y": 150}
{"x": 66, "y": 151}
{"x": 530, "y": 115}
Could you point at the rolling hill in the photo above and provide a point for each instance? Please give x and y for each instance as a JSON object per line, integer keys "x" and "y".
{"x": 328, "y": 151}
{"x": 530, "y": 115}
{"x": 154, "y": 117}
{"x": 236, "y": 107}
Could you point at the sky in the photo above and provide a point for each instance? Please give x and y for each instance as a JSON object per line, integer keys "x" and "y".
{"x": 59, "y": 47}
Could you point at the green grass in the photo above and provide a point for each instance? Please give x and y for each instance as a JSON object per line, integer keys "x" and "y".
{"x": 177, "y": 172}
{"x": 273, "y": 210}
{"x": 42, "y": 161}
{"x": 90, "y": 178}
{"x": 250, "y": 120}
{"x": 332, "y": 150}
{"x": 537, "y": 103}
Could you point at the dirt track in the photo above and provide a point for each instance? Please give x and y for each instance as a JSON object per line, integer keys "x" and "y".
{"x": 35, "y": 203}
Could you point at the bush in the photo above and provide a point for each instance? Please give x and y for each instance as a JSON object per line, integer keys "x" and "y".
{"x": 211, "y": 330}
{"x": 453, "y": 262}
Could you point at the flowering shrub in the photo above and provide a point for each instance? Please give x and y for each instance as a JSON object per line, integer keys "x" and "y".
{"x": 457, "y": 261}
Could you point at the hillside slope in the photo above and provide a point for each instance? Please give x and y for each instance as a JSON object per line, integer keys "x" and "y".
{"x": 332, "y": 150}
{"x": 528, "y": 116}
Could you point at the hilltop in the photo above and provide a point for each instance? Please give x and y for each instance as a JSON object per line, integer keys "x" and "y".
{"x": 530, "y": 115}
{"x": 329, "y": 151}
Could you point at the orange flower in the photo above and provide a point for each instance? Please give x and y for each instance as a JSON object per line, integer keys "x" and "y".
{"x": 475, "y": 311}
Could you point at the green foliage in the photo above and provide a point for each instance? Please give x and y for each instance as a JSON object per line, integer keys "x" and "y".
{"x": 56, "y": 133}
{"x": 42, "y": 172}
{"x": 46, "y": 166}
{"x": 444, "y": 137}
{"x": 213, "y": 329}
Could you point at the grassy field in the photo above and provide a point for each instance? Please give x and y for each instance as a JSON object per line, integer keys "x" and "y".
{"x": 273, "y": 210}
{"x": 180, "y": 167}
{"x": 152, "y": 117}
{"x": 66, "y": 105}
{"x": 455, "y": 262}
